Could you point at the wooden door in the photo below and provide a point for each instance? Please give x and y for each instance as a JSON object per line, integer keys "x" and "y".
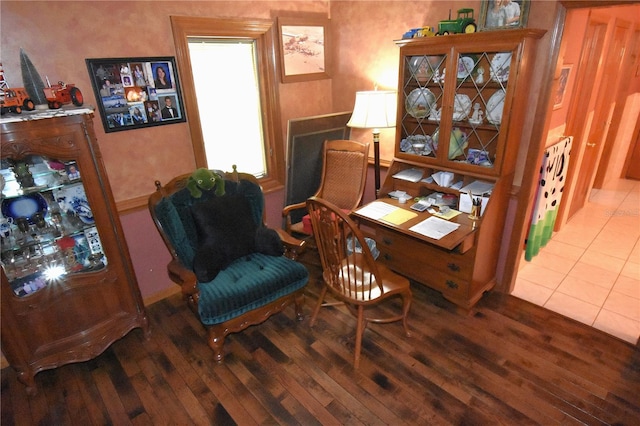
{"x": 582, "y": 120}
{"x": 633, "y": 165}
{"x": 619, "y": 64}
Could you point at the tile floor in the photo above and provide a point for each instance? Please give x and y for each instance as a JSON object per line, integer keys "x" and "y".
{"x": 590, "y": 270}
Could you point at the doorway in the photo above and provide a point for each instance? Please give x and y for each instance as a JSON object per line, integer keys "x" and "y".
{"x": 576, "y": 274}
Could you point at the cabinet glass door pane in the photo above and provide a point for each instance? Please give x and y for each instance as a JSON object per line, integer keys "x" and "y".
{"x": 423, "y": 95}
{"x": 481, "y": 83}
{"x": 47, "y": 227}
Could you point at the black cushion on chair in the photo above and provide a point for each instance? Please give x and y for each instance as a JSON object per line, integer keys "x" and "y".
{"x": 268, "y": 242}
{"x": 226, "y": 231}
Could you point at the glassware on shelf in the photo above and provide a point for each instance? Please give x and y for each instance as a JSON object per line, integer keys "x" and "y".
{"x": 47, "y": 224}
{"x": 23, "y": 174}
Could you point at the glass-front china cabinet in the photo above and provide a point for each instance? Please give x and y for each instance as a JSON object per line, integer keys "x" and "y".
{"x": 68, "y": 285}
{"x": 461, "y": 104}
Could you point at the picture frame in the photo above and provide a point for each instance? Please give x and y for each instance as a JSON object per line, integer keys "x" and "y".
{"x": 135, "y": 93}
{"x": 304, "y": 48}
{"x": 71, "y": 170}
{"x": 563, "y": 80}
{"x": 494, "y": 14}
{"x": 305, "y": 142}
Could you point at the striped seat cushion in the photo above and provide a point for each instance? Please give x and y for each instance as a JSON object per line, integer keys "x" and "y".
{"x": 250, "y": 282}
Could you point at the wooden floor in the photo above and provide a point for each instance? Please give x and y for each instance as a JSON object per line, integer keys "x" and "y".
{"x": 508, "y": 362}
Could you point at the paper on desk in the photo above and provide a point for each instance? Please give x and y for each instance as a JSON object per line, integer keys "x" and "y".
{"x": 466, "y": 202}
{"x": 434, "y": 227}
{"x": 398, "y": 216}
{"x": 448, "y": 215}
{"x": 376, "y": 210}
{"x": 412, "y": 175}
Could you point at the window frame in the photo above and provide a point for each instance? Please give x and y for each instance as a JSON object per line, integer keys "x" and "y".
{"x": 263, "y": 32}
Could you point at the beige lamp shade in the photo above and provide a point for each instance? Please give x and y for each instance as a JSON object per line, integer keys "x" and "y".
{"x": 374, "y": 109}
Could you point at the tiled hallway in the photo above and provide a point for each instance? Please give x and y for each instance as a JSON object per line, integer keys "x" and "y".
{"x": 590, "y": 270}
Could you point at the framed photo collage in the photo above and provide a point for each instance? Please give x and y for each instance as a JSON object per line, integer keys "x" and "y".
{"x": 134, "y": 93}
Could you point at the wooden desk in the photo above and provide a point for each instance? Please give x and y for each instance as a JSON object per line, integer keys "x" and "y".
{"x": 462, "y": 265}
{"x": 450, "y": 265}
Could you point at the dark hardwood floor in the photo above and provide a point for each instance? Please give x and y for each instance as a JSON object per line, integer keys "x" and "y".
{"x": 507, "y": 362}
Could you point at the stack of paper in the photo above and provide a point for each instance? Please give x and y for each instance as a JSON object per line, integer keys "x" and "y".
{"x": 467, "y": 199}
{"x": 443, "y": 178}
{"x": 379, "y": 210}
{"x": 412, "y": 175}
{"x": 434, "y": 227}
{"x": 478, "y": 187}
{"x": 475, "y": 191}
{"x": 376, "y": 210}
{"x": 398, "y": 216}
{"x": 449, "y": 214}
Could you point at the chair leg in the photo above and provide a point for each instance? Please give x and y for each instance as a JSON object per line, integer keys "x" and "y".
{"x": 216, "y": 342}
{"x": 299, "y": 303}
{"x": 323, "y": 292}
{"x": 359, "y": 332}
{"x": 406, "y": 305}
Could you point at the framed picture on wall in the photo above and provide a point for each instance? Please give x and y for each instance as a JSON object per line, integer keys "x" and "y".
{"x": 304, "y": 48}
{"x": 134, "y": 93}
{"x": 565, "y": 73}
{"x": 503, "y": 14}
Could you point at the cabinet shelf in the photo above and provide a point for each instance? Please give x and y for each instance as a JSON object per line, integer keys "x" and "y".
{"x": 49, "y": 226}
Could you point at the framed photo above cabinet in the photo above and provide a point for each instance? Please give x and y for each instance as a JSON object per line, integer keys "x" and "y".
{"x": 503, "y": 14}
{"x": 134, "y": 93}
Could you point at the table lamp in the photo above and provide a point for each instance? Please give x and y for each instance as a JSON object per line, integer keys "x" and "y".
{"x": 374, "y": 110}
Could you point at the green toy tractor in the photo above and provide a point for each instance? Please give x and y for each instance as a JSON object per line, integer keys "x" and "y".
{"x": 465, "y": 23}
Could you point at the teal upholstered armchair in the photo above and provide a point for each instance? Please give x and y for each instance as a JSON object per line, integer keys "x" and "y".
{"x": 230, "y": 279}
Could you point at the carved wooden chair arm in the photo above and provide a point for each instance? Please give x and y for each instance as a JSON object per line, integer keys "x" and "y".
{"x": 286, "y": 214}
{"x": 293, "y": 247}
{"x": 182, "y": 276}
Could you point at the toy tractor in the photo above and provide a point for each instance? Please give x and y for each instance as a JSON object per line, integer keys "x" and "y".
{"x": 62, "y": 93}
{"x": 14, "y": 100}
{"x": 419, "y": 32}
{"x": 465, "y": 23}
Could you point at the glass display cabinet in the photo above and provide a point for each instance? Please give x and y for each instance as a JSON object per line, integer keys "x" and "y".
{"x": 466, "y": 89}
{"x": 474, "y": 121}
{"x": 68, "y": 285}
{"x": 48, "y": 229}
{"x": 461, "y": 104}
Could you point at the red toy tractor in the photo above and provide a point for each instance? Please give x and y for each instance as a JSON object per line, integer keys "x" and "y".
{"x": 62, "y": 93}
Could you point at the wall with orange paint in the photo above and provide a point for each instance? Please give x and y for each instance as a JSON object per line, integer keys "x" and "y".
{"x": 59, "y": 35}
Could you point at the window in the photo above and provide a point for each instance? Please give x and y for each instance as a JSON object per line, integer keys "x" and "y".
{"x": 228, "y": 77}
{"x": 229, "y": 98}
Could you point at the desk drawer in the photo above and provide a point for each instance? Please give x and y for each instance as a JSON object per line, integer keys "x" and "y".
{"x": 395, "y": 247}
{"x": 451, "y": 284}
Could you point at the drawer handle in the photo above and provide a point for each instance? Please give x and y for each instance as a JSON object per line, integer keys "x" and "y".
{"x": 387, "y": 256}
{"x": 452, "y": 284}
{"x": 454, "y": 267}
{"x": 387, "y": 241}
